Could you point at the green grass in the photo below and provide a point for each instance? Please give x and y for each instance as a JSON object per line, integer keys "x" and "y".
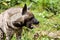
{"x": 48, "y": 21}
{"x": 46, "y": 24}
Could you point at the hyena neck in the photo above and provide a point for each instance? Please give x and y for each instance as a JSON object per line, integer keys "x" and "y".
{"x": 10, "y": 25}
{"x": 15, "y": 17}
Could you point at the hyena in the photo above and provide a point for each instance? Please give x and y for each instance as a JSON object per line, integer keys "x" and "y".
{"x": 12, "y": 21}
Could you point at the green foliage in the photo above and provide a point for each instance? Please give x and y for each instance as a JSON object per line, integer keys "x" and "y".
{"x": 46, "y": 11}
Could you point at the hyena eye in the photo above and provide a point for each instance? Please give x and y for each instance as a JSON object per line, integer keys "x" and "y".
{"x": 31, "y": 18}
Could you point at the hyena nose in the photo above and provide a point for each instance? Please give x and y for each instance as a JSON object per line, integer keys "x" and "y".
{"x": 37, "y": 22}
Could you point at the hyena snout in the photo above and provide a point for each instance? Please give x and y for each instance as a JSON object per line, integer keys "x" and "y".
{"x": 35, "y": 21}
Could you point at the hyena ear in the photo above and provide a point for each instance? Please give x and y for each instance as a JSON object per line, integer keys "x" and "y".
{"x": 24, "y": 10}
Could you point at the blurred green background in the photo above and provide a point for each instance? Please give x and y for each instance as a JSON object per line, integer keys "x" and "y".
{"x": 47, "y": 12}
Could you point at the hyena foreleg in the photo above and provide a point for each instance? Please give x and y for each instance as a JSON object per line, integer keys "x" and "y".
{"x": 1, "y": 35}
{"x": 9, "y": 34}
{"x": 18, "y": 34}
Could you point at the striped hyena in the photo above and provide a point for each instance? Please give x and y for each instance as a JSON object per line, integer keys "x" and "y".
{"x": 12, "y": 21}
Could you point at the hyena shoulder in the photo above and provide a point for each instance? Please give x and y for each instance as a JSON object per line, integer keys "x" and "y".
{"x": 13, "y": 10}
{"x": 9, "y": 14}
{"x": 12, "y": 13}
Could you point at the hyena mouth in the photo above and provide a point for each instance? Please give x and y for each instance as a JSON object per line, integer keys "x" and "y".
{"x": 34, "y": 26}
{"x": 31, "y": 26}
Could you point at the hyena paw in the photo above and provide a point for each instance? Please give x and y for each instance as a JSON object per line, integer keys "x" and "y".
{"x": 1, "y": 35}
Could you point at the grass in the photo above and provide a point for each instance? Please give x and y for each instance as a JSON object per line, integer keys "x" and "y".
{"x": 46, "y": 24}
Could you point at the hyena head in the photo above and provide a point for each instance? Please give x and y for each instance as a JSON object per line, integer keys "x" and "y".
{"x": 28, "y": 19}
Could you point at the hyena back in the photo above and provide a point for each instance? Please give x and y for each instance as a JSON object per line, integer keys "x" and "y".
{"x": 13, "y": 19}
